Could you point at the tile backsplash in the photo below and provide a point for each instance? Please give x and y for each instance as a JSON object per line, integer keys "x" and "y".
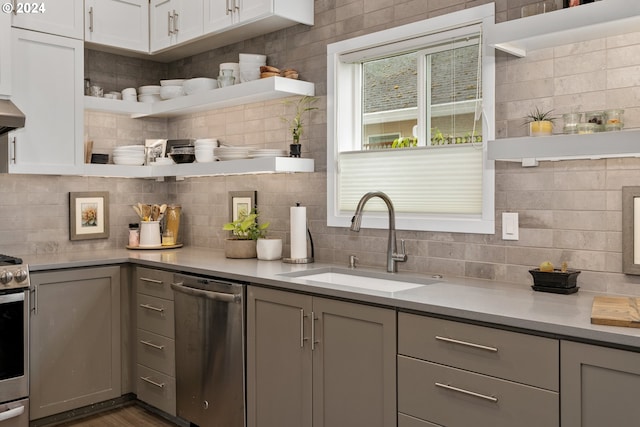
{"x": 569, "y": 210}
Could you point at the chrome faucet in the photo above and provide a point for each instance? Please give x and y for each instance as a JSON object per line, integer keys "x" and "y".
{"x": 392, "y": 256}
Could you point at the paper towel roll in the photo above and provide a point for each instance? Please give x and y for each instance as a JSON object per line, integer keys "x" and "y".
{"x": 298, "y": 219}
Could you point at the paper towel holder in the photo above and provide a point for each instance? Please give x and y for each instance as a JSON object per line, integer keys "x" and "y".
{"x": 307, "y": 260}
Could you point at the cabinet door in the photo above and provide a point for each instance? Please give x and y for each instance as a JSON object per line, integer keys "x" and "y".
{"x": 187, "y": 20}
{"x": 248, "y": 10}
{"x": 59, "y": 17}
{"x": 598, "y": 386}
{"x": 47, "y": 85}
{"x": 118, "y": 23}
{"x": 218, "y": 15}
{"x": 354, "y": 365}
{"x": 161, "y": 24}
{"x": 278, "y": 358}
{"x": 75, "y": 339}
{"x": 5, "y": 54}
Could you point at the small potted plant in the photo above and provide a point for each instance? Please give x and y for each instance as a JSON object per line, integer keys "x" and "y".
{"x": 540, "y": 122}
{"x": 296, "y": 127}
{"x": 246, "y": 231}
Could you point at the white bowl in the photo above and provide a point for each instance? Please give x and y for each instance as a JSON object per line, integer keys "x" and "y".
{"x": 149, "y": 98}
{"x": 252, "y": 57}
{"x": 169, "y": 92}
{"x": 149, "y": 90}
{"x": 129, "y": 91}
{"x": 172, "y": 82}
{"x": 130, "y": 98}
{"x": 199, "y": 84}
{"x": 248, "y": 74}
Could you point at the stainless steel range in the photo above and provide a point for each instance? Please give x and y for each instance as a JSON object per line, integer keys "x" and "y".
{"x": 14, "y": 342}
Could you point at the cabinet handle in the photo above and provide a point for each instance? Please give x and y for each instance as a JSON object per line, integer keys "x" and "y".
{"x": 157, "y": 282}
{"x": 175, "y": 22}
{"x": 467, "y": 392}
{"x": 34, "y": 293}
{"x": 12, "y": 413}
{"x": 229, "y": 10}
{"x": 302, "y": 337}
{"x": 14, "y": 157}
{"x": 150, "y": 381}
{"x": 91, "y": 19}
{"x": 150, "y": 344}
{"x": 169, "y": 22}
{"x": 150, "y": 307}
{"x": 467, "y": 344}
{"x": 15, "y": 7}
{"x": 313, "y": 331}
{"x": 236, "y": 6}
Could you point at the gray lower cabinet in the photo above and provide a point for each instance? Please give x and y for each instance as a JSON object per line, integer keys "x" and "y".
{"x": 456, "y": 374}
{"x": 319, "y": 362}
{"x": 599, "y": 386}
{"x": 75, "y": 339}
{"x": 155, "y": 339}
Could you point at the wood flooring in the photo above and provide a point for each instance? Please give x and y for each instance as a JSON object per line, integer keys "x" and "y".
{"x": 126, "y": 416}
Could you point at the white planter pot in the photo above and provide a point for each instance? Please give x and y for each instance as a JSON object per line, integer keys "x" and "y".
{"x": 269, "y": 249}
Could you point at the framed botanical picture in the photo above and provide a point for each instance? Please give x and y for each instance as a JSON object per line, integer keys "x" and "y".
{"x": 241, "y": 203}
{"x": 89, "y": 215}
{"x": 631, "y": 230}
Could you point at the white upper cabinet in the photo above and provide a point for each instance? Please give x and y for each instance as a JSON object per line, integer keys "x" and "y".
{"x": 51, "y": 98}
{"x": 174, "y": 22}
{"x": 59, "y": 17}
{"x": 118, "y": 23}
{"x": 5, "y": 55}
{"x": 273, "y": 15}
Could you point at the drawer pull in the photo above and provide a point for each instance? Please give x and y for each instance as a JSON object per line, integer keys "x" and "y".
{"x": 467, "y": 344}
{"x": 467, "y": 392}
{"x": 145, "y": 279}
{"x": 152, "y": 382}
{"x": 150, "y": 344}
{"x": 150, "y": 307}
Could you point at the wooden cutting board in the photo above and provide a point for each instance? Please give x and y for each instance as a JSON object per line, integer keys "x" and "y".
{"x": 616, "y": 311}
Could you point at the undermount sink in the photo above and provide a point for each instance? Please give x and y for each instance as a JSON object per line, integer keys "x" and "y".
{"x": 370, "y": 280}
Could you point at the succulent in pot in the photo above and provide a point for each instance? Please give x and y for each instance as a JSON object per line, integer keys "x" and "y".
{"x": 246, "y": 231}
{"x": 540, "y": 122}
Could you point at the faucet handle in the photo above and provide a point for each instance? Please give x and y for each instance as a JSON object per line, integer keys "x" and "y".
{"x": 402, "y": 255}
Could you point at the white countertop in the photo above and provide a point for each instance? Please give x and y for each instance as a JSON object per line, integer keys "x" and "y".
{"x": 508, "y": 305}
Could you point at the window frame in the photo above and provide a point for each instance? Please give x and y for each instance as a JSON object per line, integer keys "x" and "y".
{"x": 344, "y": 113}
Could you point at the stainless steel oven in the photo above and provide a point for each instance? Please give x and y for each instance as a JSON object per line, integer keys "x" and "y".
{"x": 14, "y": 342}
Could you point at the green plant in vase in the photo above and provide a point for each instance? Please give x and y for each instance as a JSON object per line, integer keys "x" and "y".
{"x": 246, "y": 232}
{"x": 540, "y": 122}
{"x": 296, "y": 125}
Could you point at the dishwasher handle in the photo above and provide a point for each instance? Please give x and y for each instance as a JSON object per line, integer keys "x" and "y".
{"x": 217, "y": 296}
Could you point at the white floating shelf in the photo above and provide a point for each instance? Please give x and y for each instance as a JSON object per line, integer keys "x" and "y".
{"x": 570, "y": 25}
{"x": 243, "y": 93}
{"x": 600, "y": 145}
{"x": 230, "y": 167}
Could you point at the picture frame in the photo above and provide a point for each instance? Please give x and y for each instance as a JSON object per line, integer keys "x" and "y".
{"x": 572, "y": 3}
{"x": 241, "y": 201}
{"x": 631, "y": 230}
{"x": 88, "y": 215}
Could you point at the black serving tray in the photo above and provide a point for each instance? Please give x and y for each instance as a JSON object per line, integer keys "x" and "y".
{"x": 555, "y": 279}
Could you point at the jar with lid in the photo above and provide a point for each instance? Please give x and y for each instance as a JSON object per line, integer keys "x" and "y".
{"x": 134, "y": 235}
{"x": 614, "y": 120}
{"x": 173, "y": 216}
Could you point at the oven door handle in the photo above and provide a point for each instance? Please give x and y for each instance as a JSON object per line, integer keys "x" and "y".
{"x": 12, "y": 413}
{"x": 219, "y": 296}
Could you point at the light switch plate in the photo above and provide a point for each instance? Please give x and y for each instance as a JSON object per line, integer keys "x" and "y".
{"x": 510, "y": 226}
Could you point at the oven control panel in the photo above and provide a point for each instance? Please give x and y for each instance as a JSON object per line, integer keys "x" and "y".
{"x": 14, "y": 277}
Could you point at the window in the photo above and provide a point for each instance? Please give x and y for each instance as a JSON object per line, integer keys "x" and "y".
{"x": 430, "y": 86}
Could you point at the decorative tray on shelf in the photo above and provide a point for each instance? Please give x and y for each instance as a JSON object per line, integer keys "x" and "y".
{"x": 179, "y": 245}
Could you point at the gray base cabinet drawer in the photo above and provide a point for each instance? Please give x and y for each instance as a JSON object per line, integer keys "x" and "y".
{"x": 156, "y": 352}
{"x": 407, "y": 421}
{"x": 155, "y": 315}
{"x": 509, "y": 355}
{"x": 154, "y": 282}
{"x": 157, "y": 389}
{"x": 457, "y": 398}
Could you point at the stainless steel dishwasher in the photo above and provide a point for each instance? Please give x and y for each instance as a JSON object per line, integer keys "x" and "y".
{"x": 210, "y": 350}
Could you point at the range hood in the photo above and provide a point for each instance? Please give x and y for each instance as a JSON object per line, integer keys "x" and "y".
{"x": 10, "y": 116}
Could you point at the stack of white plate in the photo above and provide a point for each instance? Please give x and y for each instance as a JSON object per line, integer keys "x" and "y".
{"x": 231, "y": 153}
{"x": 267, "y": 152}
{"x": 129, "y": 155}
{"x": 249, "y": 66}
{"x": 149, "y": 93}
{"x": 204, "y": 149}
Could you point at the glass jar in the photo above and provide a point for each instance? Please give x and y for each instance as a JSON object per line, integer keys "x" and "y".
{"x": 596, "y": 118}
{"x": 571, "y": 121}
{"x": 134, "y": 235}
{"x": 172, "y": 225}
{"x": 585, "y": 128}
{"x": 614, "y": 120}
